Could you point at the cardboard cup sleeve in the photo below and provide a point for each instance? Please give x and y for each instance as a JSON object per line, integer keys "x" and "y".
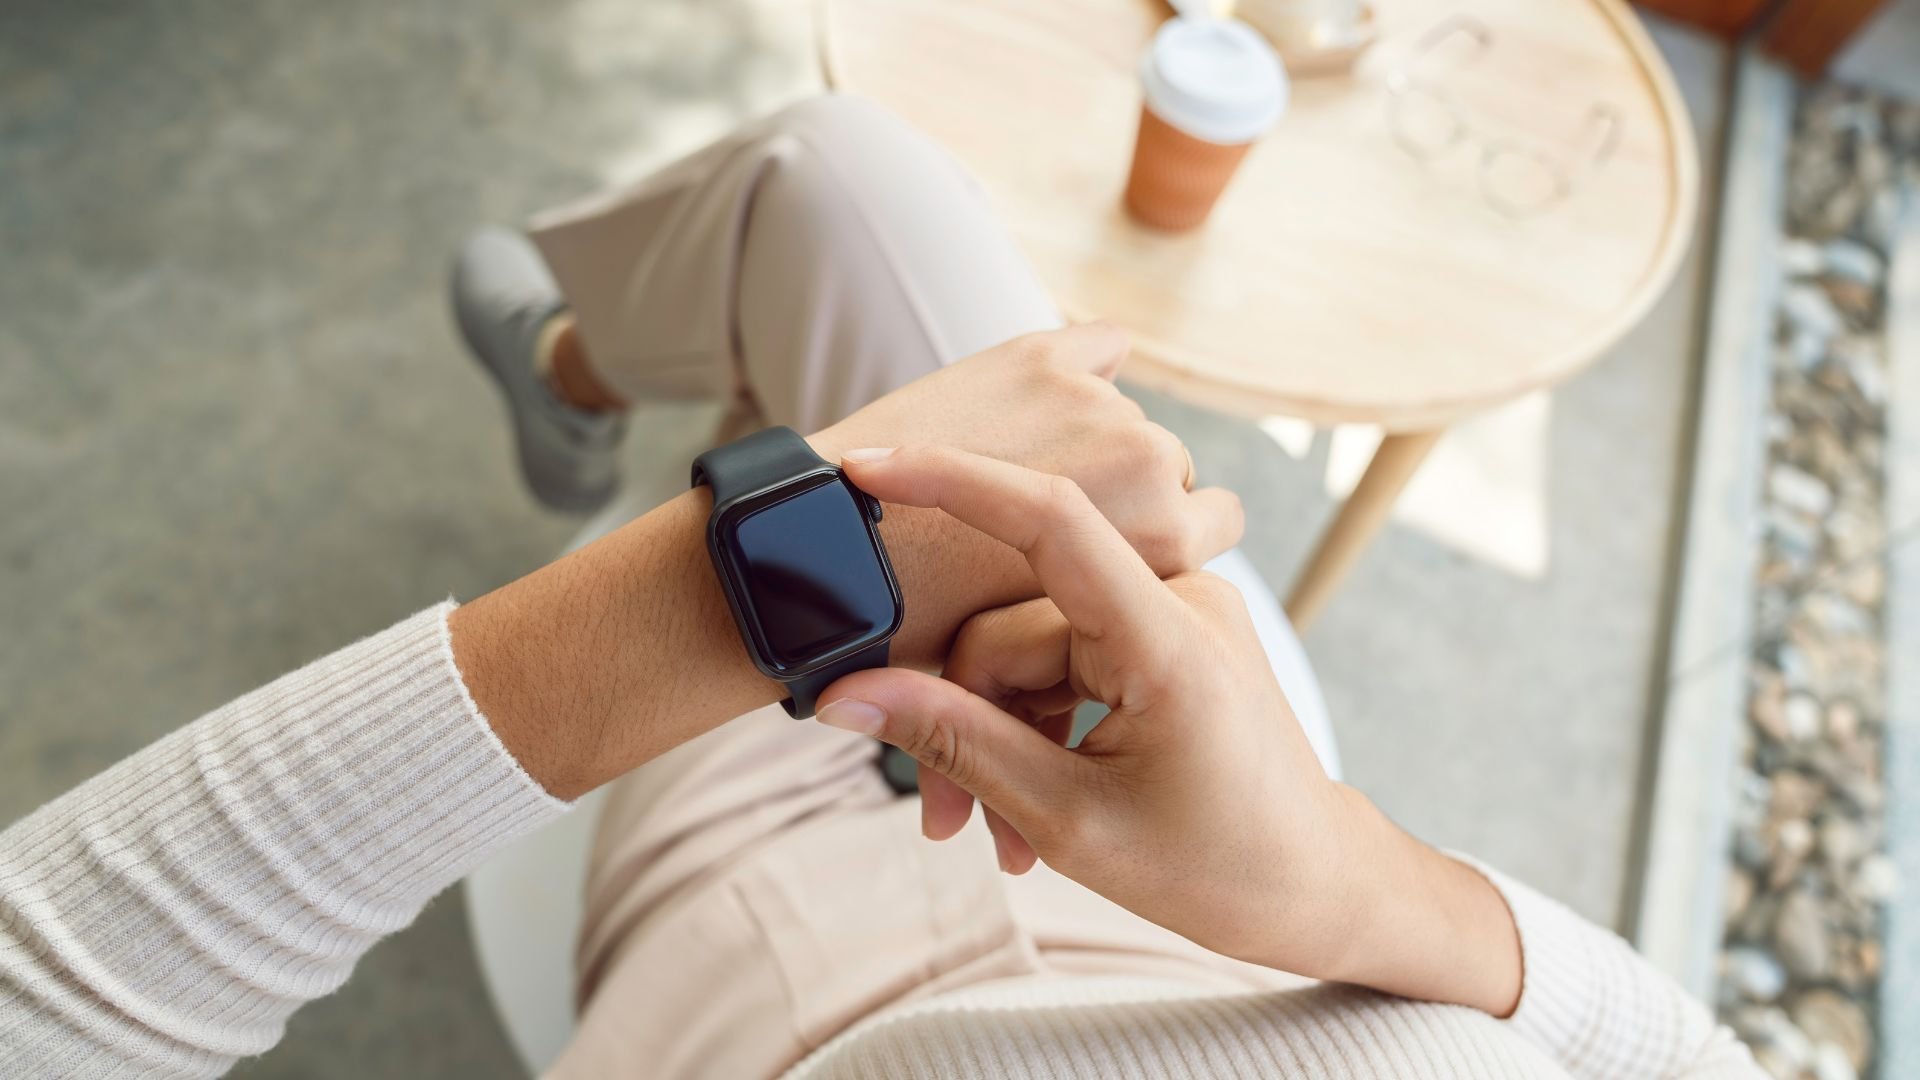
{"x": 1176, "y": 178}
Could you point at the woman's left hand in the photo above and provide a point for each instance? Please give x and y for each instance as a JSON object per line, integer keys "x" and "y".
{"x": 1198, "y": 802}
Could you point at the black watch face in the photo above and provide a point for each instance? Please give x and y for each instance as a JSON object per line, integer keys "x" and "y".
{"x": 813, "y": 573}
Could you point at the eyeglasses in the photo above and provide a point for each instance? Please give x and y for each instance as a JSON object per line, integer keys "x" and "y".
{"x": 1518, "y": 179}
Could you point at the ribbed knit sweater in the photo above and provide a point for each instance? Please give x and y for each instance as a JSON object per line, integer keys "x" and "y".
{"x": 166, "y": 918}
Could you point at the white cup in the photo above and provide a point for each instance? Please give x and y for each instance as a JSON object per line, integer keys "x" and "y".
{"x": 1210, "y": 87}
{"x": 1215, "y": 79}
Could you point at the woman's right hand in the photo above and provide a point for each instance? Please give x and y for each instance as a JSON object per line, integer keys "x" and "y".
{"x": 1046, "y": 401}
{"x": 1198, "y": 802}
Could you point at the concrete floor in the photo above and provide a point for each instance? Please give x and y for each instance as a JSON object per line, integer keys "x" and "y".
{"x": 236, "y": 431}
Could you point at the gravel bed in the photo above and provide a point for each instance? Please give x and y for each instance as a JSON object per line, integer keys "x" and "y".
{"x": 1808, "y": 877}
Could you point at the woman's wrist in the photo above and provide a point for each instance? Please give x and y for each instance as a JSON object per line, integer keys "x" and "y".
{"x": 610, "y": 656}
{"x": 1427, "y": 926}
{"x": 616, "y": 653}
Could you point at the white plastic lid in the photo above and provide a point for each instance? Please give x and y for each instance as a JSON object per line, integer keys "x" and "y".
{"x": 1215, "y": 79}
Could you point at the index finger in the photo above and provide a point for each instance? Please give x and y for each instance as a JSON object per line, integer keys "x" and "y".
{"x": 1092, "y": 574}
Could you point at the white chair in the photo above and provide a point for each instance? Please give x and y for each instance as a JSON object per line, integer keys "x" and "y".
{"x": 525, "y": 904}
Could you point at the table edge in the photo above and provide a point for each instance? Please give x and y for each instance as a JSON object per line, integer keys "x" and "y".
{"x": 1167, "y": 369}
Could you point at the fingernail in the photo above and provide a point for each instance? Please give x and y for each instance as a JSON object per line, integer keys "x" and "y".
{"x": 852, "y": 714}
{"x": 1000, "y": 853}
{"x": 868, "y": 454}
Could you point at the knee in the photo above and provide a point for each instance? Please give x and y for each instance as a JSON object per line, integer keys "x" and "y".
{"x": 855, "y": 137}
{"x": 839, "y": 167}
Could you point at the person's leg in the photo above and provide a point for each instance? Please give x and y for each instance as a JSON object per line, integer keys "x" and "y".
{"x": 671, "y": 824}
{"x": 801, "y": 268}
{"x": 507, "y": 307}
{"x": 809, "y": 264}
{"x": 800, "y": 908}
{"x": 673, "y": 967}
{"x": 797, "y": 269}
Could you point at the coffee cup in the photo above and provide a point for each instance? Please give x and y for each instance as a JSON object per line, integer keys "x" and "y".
{"x": 1209, "y": 89}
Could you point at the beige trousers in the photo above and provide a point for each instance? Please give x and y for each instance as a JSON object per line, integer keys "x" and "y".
{"x": 757, "y": 890}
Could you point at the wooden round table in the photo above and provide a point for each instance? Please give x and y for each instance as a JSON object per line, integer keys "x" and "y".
{"x": 1344, "y": 278}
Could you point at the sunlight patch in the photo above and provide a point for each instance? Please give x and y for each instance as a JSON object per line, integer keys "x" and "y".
{"x": 1482, "y": 491}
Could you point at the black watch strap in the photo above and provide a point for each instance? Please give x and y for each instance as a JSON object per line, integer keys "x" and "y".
{"x": 747, "y": 465}
{"x": 806, "y": 689}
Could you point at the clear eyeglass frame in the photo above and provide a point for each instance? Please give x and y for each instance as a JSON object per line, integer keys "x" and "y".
{"x": 1516, "y": 178}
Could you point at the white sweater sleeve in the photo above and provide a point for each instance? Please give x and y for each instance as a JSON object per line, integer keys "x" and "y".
{"x": 166, "y": 917}
{"x": 1600, "y": 1009}
{"x": 1590, "y": 1008}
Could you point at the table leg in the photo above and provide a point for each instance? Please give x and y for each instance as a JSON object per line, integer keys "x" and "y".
{"x": 1392, "y": 466}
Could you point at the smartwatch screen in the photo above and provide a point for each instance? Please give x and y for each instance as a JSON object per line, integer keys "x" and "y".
{"x": 813, "y": 574}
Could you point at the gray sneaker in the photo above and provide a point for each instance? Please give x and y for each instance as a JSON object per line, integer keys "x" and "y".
{"x": 502, "y": 297}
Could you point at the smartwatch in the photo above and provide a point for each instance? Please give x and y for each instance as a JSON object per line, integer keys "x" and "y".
{"x": 798, "y": 551}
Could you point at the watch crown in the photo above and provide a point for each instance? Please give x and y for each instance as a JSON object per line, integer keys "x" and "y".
{"x": 873, "y": 507}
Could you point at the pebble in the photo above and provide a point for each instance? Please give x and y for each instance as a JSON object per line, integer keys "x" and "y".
{"x": 1843, "y": 721}
{"x": 1757, "y": 923}
{"x": 1878, "y": 879}
{"x": 1794, "y": 794}
{"x": 1797, "y": 536}
{"x": 1801, "y": 937}
{"x": 1822, "y": 450}
{"x": 1766, "y": 1027}
{"x": 1773, "y": 1062}
{"x": 1809, "y": 311}
{"x": 1789, "y": 1040}
{"x": 1868, "y": 956}
{"x": 1830, "y": 1019}
{"x": 1853, "y": 300}
{"x": 1842, "y": 209}
{"x": 1849, "y": 974}
{"x": 1797, "y": 489}
{"x": 1852, "y": 536}
{"x": 1864, "y": 792}
{"x": 1795, "y": 667}
{"x": 1840, "y": 842}
{"x": 1836, "y": 616}
{"x": 1866, "y": 583}
{"x": 1859, "y": 355}
{"x": 1804, "y": 351}
{"x": 1802, "y": 258}
{"x": 1738, "y": 894}
{"x": 1807, "y": 881}
{"x": 1830, "y": 1063}
{"x": 1882, "y": 217}
{"x": 1853, "y": 262}
{"x": 1794, "y": 837}
{"x": 1755, "y": 973}
{"x": 1768, "y": 712}
{"x": 1750, "y": 806}
{"x": 1793, "y": 842}
{"x": 1774, "y": 607}
{"x": 1801, "y": 717}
